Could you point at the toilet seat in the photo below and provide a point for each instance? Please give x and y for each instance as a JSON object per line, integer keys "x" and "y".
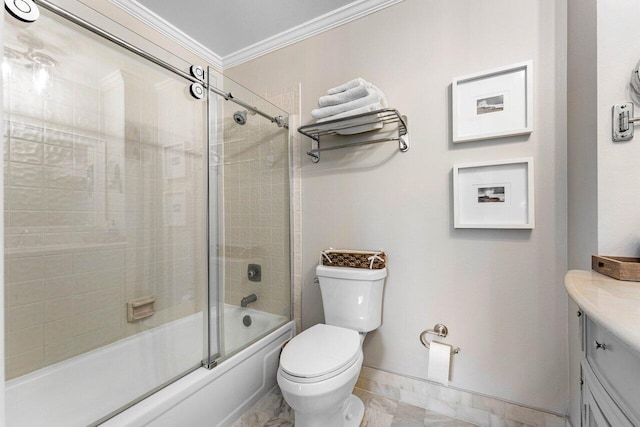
{"x": 319, "y": 353}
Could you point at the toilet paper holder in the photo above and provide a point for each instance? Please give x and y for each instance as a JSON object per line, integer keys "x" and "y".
{"x": 439, "y": 330}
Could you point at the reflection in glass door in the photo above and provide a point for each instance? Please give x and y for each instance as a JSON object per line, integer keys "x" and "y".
{"x": 105, "y": 160}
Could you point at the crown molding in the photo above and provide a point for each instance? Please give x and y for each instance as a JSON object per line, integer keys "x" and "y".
{"x": 335, "y": 18}
{"x": 154, "y": 21}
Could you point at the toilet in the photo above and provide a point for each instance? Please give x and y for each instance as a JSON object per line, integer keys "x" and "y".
{"x": 319, "y": 367}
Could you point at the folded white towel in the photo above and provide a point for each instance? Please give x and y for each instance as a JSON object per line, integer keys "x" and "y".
{"x": 348, "y": 95}
{"x": 348, "y": 85}
{"x": 360, "y": 129}
{"x": 383, "y": 98}
{"x": 321, "y": 113}
{"x": 360, "y": 124}
{"x": 353, "y": 112}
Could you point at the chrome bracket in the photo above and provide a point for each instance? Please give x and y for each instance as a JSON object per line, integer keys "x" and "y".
{"x": 24, "y": 10}
{"x": 197, "y": 90}
{"x": 403, "y": 140}
{"x": 280, "y": 121}
{"x": 403, "y": 143}
{"x": 212, "y": 364}
{"x": 622, "y": 122}
{"x": 315, "y": 150}
{"x": 197, "y": 71}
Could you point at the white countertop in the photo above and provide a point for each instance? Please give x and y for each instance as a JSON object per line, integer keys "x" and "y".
{"x": 614, "y": 304}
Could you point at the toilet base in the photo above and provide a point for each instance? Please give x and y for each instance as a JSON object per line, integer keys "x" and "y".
{"x": 350, "y": 415}
{"x": 354, "y": 412}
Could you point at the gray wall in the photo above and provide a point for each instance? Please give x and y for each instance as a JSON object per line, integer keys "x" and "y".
{"x": 500, "y": 292}
{"x": 604, "y": 209}
{"x": 582, "y": 160}
{"x": 618, "y": 51}
{"x": 582, "y": 167}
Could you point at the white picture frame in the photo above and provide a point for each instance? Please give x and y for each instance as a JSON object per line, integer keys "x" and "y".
{"x": 495, "y": 194}
{"x": 493, "y": 104}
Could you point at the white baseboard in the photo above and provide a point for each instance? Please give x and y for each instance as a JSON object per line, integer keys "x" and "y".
{"x": 464, "y": 405}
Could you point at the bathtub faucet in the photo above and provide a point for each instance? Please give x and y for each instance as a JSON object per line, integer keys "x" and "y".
{"x": 248, "y": 300}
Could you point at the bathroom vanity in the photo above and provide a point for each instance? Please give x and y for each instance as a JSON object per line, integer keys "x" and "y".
{"x": 609, "y": 329}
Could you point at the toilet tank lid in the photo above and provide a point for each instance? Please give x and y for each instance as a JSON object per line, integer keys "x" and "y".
{"x": 351, "y": 273}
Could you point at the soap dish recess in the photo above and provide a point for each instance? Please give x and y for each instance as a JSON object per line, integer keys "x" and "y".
{"x": 140, "y": 308}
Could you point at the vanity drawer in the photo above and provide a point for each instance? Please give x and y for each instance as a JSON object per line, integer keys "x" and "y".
{"x": 616, "y": 366}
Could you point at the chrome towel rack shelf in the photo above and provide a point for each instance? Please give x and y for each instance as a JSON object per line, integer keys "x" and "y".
{"x": 385, "y": 116}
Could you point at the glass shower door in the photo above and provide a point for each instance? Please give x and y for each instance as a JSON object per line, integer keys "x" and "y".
{"x": 253, "y": 258}
{"x": 105, "y": 162}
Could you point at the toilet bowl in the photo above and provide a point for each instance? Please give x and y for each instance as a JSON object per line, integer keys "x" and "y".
{"x": 319, "y": 367}
{"x": 318, "y": 371}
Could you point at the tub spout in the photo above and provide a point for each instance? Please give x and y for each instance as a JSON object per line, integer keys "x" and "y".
{"x": 248, "y": 300}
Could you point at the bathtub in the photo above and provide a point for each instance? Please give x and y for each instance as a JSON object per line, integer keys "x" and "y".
{"x": 237, "y": 334}
{"x": 82, "y": 390}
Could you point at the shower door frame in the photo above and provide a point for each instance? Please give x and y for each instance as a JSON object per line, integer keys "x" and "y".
{"x": 213, "y": 358}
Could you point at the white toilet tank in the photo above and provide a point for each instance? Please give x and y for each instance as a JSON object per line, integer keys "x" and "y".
{"x": 352, "y": 297}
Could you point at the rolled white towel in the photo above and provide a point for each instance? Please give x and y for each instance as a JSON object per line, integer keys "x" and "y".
{"x": 353, "y": 112}
{"x": 348, "y": 95}
{"x": 348, "y": 85}
{"x": 333, "y": 110}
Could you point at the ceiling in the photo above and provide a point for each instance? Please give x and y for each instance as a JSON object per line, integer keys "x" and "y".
{"x": 225, "y": 26}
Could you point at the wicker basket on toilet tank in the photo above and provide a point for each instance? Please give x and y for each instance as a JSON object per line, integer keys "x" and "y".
{"x": 374, "y": 260}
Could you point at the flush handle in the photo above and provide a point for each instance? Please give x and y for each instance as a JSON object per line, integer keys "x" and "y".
{"x": 598, "y": 345}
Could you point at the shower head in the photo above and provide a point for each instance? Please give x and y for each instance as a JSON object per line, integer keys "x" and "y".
{"x": 240, "y": 117}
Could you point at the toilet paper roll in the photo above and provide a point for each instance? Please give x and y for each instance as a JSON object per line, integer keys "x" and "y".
{"x": 439, "y": 359}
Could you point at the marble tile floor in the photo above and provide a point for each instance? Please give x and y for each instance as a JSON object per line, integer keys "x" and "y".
{"x": 380, "y": 411}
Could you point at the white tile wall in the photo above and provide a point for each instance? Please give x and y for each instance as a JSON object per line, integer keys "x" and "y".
{"x": 257, "y": 191}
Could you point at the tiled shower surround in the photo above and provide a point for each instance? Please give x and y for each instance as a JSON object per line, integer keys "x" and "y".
{"x": 104, "y": 202}
{"x": 256, "y": 206}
